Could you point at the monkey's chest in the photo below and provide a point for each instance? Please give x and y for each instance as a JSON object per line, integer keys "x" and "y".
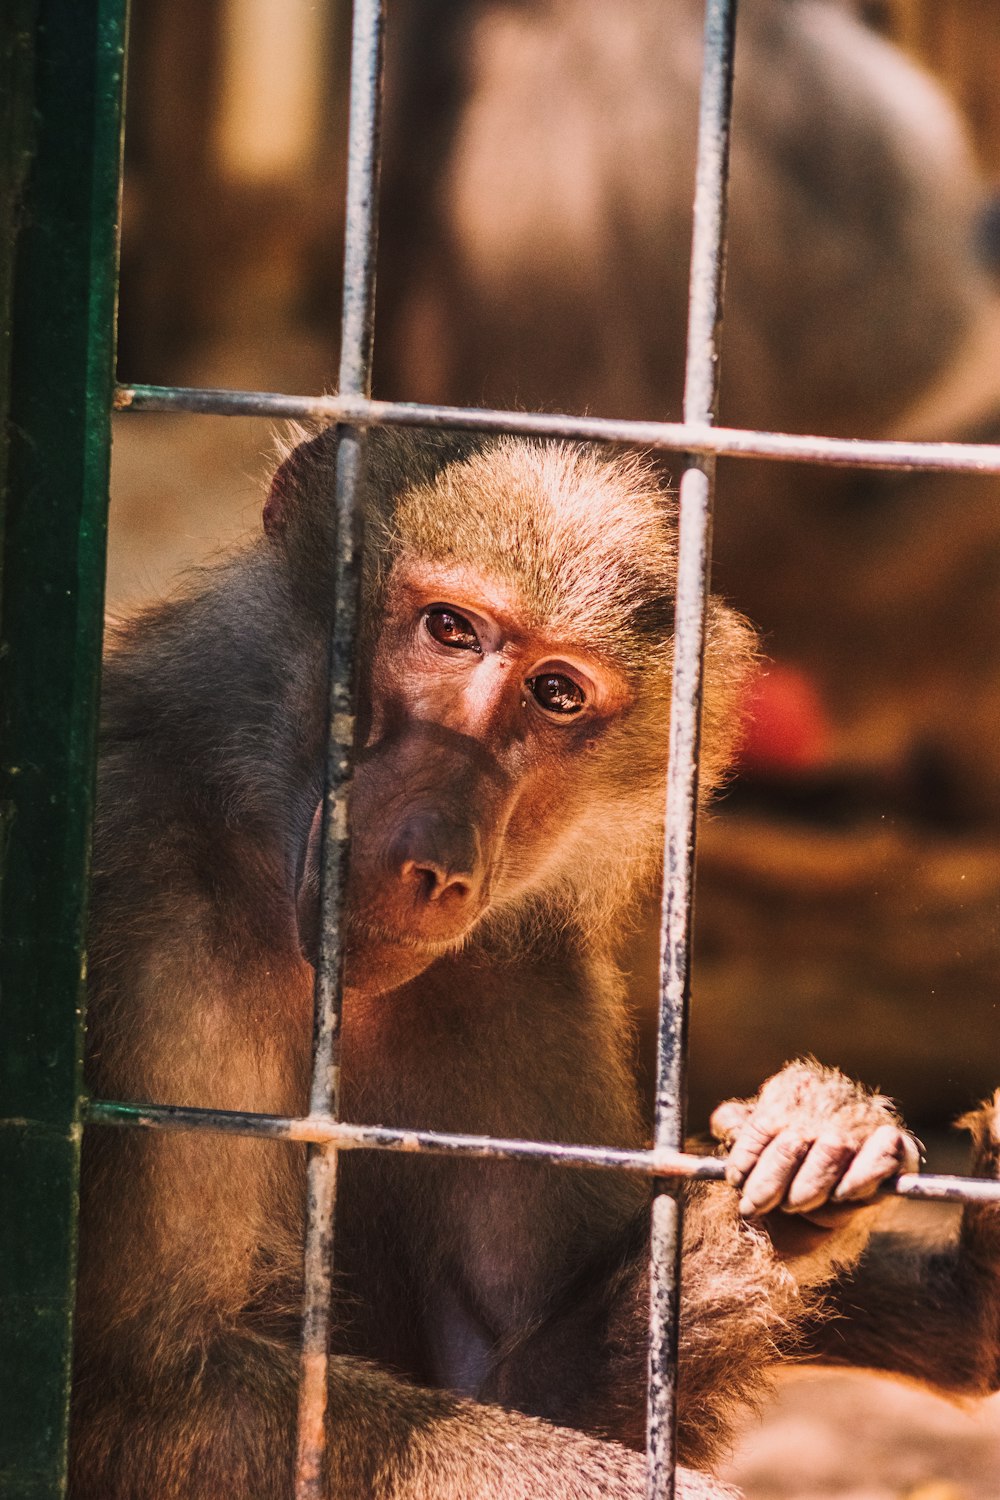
{"x": 461, "y": 1349}
{"x": 440, "y": 1261}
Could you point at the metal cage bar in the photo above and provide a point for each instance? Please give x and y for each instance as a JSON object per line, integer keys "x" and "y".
{"x": 670, "y": 437}
{"x": 661, "y": 1161}
{"x": 701, "y": 395}
{"x": 357, "y": 324}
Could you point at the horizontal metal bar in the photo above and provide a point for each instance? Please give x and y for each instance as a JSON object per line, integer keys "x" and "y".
{"x": 346, "y": 1137}
{"x": 680, "y": 437}
{"x": 658, "y": 1162}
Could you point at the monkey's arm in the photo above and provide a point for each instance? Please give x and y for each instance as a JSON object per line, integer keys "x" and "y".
{"x": 929, "y": 1313}
{"x": 441, "y": 1448}
{"x": 749, "y": 1284}
{"x": 231, "y": 1431}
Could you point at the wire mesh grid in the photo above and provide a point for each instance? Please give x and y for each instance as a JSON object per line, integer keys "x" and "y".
{"x": 700, "y": 441}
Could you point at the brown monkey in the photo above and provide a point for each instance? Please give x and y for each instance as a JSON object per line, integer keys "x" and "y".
{"x": 506, "y": 807}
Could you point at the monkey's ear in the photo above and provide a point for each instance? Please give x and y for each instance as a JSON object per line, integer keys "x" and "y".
{"x": 291, "y": 480}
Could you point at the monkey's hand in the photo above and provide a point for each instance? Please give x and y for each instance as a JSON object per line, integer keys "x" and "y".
{"x": 808, "y": 1155}
{"x": 949, "y": 1291}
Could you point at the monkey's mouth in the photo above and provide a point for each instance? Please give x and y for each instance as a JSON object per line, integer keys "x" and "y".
{"x": 364, "y": 933}
{"x": 377, "y": 959}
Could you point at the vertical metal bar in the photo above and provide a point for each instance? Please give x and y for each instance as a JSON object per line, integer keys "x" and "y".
{"x": 694, "y": 561}
{"x": 60, "y": 151}
{"x": 355, "y": 379}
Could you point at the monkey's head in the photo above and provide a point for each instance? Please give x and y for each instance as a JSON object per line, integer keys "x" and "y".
{"x": 518, "y": 649}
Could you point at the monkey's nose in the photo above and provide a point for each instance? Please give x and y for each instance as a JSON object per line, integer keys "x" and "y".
{"x": 438, "y": 859}
{"x": 435, "y": 881}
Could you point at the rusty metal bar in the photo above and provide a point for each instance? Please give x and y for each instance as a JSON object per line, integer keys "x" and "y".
{"x": 357, "y": 325}
{"x": 325, "y": 1130}
{"x": 690, "y": 436}
{"x": 701, "y": 390}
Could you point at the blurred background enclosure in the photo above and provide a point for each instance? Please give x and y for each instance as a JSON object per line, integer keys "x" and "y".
{"x": 959, "y": 41}
{"x": 235, "y": 105}
{"x": 535, "y": 233}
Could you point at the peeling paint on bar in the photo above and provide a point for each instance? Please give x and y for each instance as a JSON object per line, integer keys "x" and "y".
{"x": 357, "y": 324}
{"x": 318, "y": 1276}
{"x": 325, "y": 1130}
{"x": 337, "y": 815}
{"x": 312, "y": 1416}
{"x": 680, "y": 437}
{"x": 701, "y": 392}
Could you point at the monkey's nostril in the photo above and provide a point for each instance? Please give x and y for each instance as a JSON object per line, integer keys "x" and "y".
{"x": 434, "y": 881}
{"x": 437, "y": 860}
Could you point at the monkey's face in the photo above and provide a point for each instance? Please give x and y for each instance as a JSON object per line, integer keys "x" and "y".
{"x": 515, "y": 705}
{"x": 478, "y": 767}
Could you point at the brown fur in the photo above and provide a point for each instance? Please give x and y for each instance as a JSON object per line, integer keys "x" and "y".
{"x": 496, "y": 853}
{"x": 938, "y": 1306}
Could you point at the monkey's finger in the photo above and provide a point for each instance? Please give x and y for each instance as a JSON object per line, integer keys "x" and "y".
{"x": 746, "y": 1150}
{"x": 823, "y": 1167}
{"x": 767, "y": 1184}
{"x": 887, "y": 1150}
{"x": 728, "y": 1119}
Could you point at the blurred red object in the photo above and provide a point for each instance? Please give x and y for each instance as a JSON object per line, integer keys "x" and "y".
{"x": 786, "y": 725}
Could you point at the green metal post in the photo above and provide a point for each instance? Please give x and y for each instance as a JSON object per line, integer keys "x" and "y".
{"x": 61, "y": 72}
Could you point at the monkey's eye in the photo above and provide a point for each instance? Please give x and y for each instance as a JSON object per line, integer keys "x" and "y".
{"x": 449, "y": 628}
{"x": 556, "y": 693}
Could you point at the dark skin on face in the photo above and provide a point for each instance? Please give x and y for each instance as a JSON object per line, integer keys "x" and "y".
{"x": 506, "y": 809}
{"x": 476, "y": 727}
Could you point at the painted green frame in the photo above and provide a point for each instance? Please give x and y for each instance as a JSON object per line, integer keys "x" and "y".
{"x": 61, "y": 87}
